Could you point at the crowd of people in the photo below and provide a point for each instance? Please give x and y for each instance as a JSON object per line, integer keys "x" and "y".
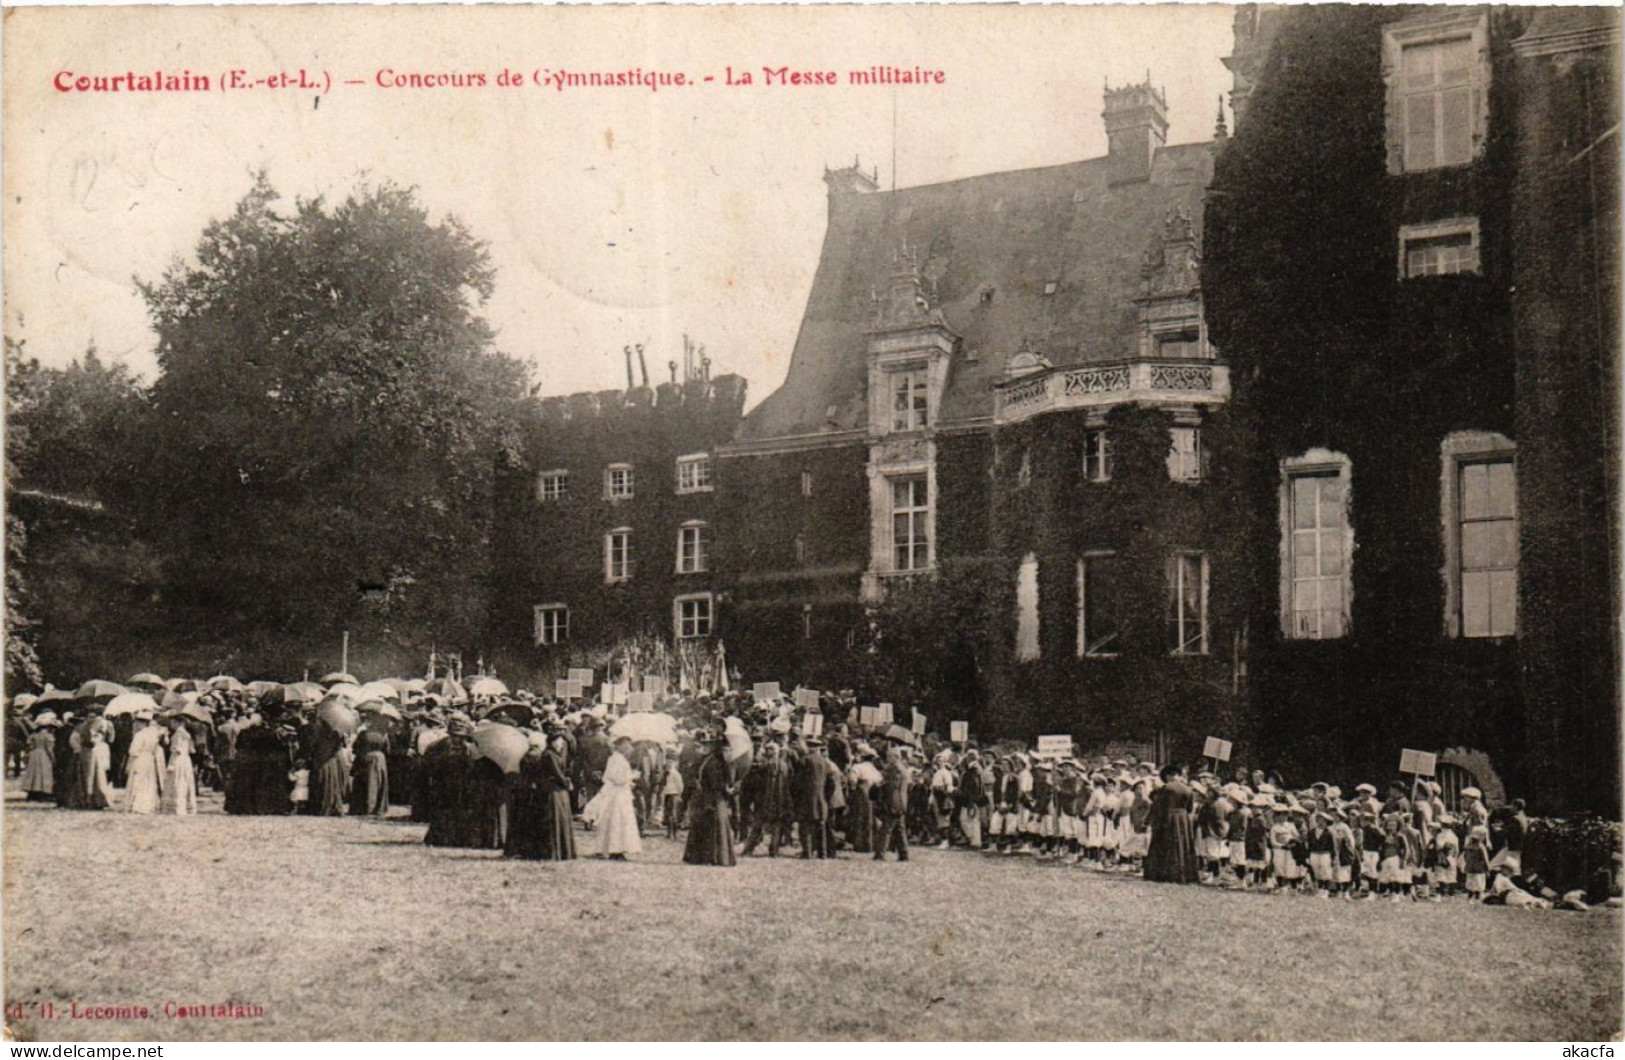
{"x": 515, "y": 772}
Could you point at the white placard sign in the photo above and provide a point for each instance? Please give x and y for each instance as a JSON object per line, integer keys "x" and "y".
{"x": 868, "y": 716}
{"x": 1216, "y": 749}
{"x": 615, "y": 694}
{"x": 640, "y": 701}
{"x": 919, "y": 724}
{"x": 1054, "y": 746}
{"x": 654, "y": 686}
{"x": 885, "y": 715}
{"x": 562, "y": 690}
{"x": 764, "y": 690}
{"x": 1419, "y": 763}
{"x": 959, "y": 731}
{"x": 812, "y": 725}
{"x": 581, "y": 677}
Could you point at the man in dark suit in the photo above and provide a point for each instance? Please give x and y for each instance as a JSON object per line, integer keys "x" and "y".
{"x": 807, "y": 783}
{"x": 891, "y": 806}
{"x": 769, "y": 784}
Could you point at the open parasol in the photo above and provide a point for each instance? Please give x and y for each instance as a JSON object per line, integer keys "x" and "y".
{"x": 378, "y": 690}
{"x": 224, "y": 683}
{"x": 739, "y": 743}
{"x": 99, "y": 689}
{"x": 487, "y": 686}
{"x": 350, "y": 692}
{"x": 149, "y": 679}
{"x": 339, "y": 716}
{"x": 195, "y": 712}
{"x": 380, "y": 707}
{"x": 646, "y": 725}
{"x": 307, "y": 692}
{"x": 502, "y": 744}
{"x": 23, "y": 700}
{"x": 259, "y": 688}
{"x": 129, "y": 703}
{"x": 339, "y": 677}
{"x": 50, "y": 696}
{"x": 520, "y": 714}
{"x": 448, "y": 688}
{"x": 901, "y": 735}
{"x": 416, "y": 684}
{"x": 175, "y": 702}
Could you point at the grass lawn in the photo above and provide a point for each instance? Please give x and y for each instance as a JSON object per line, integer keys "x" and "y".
{"x": 352, "y": 929}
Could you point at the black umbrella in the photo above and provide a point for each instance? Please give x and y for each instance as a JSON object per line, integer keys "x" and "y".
{"x": 900, "y": 735}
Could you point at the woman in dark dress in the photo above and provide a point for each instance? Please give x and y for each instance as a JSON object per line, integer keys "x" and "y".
{"x": 327, "y": 773}
{"x": 1172, "y": 855}
{"x": 259, "y": 783}
{"x": 447, "y": 781}
{"x": 67, "y": 766}
{"x": 710, "y": 823}
{"x": 369, "y": 776}
{"x": 539, "y": 826}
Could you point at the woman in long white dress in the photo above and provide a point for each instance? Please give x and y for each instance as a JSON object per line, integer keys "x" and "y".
{"x": 617, "y": 814}
{"x": 180, "y": 797}
{"x": 144, "y": 790}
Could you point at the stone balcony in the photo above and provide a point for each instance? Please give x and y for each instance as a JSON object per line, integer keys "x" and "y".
{"x": 1196, "y": 381}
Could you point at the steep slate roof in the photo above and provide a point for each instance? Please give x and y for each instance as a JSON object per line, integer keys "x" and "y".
{"x": 1008, "y": 232}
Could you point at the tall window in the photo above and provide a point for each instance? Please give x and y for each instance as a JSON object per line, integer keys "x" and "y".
{"x": 1027, "y": 648}
{"x": 618, "y": 555}
{"x": 1187, "y": 603}
{"x": 552, "y": 485}
{"x": 1317, "y": 559}
{"x": 694, "y": 473}
{"x": 1488, "y": 535}
{"x": 1097, "y": 456}
{"x": 1439, "y": 249}
{"x": 1098, "y": 627}
{"x": 1437, "y": 68}
{"x": 910, "y": 522}
{"x": 693, "y": 550}
{"x": 806, "y": 483}
{"x": 552, "y": 624}
{"x": 691, "y": 616}
{"x": 1436, "y": 83}
{"x": 618, "y": 482}
{"x": 1185, "y": 454}
{"x": 1024, "y": 473}
{"x": 910, "y": 403}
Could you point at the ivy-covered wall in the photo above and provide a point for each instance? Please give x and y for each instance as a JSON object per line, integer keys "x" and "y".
{"x": 553, "y": 551}
{"x": 1142, "y": 693}
{"x": 1332, "y": 349}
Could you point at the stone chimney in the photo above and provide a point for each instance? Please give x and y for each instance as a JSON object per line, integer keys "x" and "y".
{"x": 850, "y": 181}
{"x": 1136, "y": 125}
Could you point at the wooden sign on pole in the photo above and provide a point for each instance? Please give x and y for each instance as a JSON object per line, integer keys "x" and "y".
{"x": 615, "y": 694}
{"x": 869, "y": 716}
{"x": 654, "y": 686}
{"x": 1216, "y": 749}
{"x": 885, "y": 715}
{"x": 640, "y": 701}
{"x": 1418, "y": 763}
{"x": 1054, "y": 746}
{"x": 762, "y": 691}
{"x": 959, "y": 731}
{"x": 812, "y": 725}
{"x": 919, "y": 724}
{"x": 561, "y": 690}
{"x": 581, "y": 677}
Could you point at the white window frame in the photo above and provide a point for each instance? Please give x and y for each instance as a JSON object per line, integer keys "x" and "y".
{"x": 560, "y": 629}
{"x": 1435, "y": 28}
{"x": 623, "y": 572}
{"x": 552, "y": 485}
{"x": 618, "y": 488}
{"x": 1029, "y": 624}
{"x": 698, "y": 559}
{"x": 1457, "y": 451}
{"x": 806, "y": 483}
{"x": 1185, "y": 465}
{"x": 694, "y": 473}
{"x": 1455, "y": 226}
{"x": 685, "y": 628}
{"x": 1188, "y": 641}
{"x": 1109, "y": 647}
{"x": 1316, "y": 463}
{"x": 1097, "y": 455}
{"x": 914, "y": 384}
{"x": 892, "y": 482}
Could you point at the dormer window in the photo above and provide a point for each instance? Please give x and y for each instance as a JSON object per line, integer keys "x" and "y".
{"x": 911, "y": 402}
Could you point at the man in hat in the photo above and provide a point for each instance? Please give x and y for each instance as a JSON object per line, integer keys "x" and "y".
{"x": 592, "y": 759}
{"x": 971, "y": 794}
{"x": 811, "y": 772}
{"x": 770, "y": 802}
{"x": 891, "y": 806}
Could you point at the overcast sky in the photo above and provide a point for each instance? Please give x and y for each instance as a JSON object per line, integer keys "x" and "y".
{"x": 613, "y": 215}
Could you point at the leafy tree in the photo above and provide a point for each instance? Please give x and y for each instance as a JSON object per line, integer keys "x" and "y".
{"x": 323, "y": 432}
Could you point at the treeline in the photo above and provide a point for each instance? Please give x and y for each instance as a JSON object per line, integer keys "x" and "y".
{"x": 315, "y": 455}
